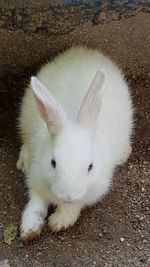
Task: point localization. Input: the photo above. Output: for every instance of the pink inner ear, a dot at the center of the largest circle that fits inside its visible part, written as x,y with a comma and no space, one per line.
91,104
50,109
41,108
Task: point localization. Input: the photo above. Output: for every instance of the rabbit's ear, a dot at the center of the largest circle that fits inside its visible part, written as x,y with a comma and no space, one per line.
51,111
91,104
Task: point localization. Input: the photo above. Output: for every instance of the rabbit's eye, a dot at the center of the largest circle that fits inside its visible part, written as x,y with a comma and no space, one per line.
90,167
53,163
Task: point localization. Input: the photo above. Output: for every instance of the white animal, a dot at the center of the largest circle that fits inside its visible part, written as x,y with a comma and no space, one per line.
76,123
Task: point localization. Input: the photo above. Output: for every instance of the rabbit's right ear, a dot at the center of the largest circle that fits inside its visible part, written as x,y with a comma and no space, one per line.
50,110
92,102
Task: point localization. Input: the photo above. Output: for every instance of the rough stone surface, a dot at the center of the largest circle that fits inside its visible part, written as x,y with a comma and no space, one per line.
34,31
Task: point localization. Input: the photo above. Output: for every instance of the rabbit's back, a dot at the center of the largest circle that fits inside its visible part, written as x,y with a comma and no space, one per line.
68,78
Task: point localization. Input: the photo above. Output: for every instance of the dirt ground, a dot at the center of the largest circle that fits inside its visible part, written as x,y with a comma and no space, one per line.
114,233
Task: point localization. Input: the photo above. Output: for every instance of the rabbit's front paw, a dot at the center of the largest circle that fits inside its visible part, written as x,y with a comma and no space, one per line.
33,218
32,226
58,221
31,234
63,218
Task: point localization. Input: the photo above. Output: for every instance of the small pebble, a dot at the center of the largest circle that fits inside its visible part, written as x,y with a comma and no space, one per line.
20,245
100,235
61,238
105,230
141,219
139,247
121,239
1,225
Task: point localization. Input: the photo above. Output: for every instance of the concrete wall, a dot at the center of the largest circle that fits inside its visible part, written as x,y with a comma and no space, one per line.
34,31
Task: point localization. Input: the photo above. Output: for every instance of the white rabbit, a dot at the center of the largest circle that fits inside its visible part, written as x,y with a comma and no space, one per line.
76,123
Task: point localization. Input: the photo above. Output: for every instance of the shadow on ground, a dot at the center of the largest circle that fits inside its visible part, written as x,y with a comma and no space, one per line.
114,233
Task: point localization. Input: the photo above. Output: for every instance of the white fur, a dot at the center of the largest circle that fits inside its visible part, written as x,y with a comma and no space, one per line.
65,120
33,216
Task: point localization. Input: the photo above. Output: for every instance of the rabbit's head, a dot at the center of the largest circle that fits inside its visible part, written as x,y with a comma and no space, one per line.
69,158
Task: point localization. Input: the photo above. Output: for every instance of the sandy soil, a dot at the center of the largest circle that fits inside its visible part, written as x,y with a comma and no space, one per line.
114,233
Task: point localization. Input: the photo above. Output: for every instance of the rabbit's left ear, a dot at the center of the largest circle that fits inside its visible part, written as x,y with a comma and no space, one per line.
49,108
91,104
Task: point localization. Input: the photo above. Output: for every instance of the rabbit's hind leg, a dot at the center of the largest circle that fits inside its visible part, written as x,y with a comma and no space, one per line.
125,155
24,159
